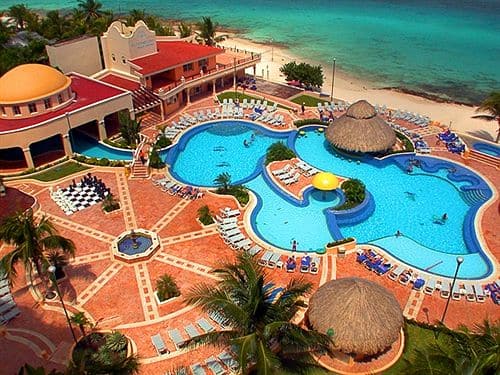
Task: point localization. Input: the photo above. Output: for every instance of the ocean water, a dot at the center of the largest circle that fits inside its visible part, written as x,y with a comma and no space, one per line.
449,48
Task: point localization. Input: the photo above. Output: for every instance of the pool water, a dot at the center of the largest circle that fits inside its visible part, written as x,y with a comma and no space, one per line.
90,147
487,148
411,203
142,243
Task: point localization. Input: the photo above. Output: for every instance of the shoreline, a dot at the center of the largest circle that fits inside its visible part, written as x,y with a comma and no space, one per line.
454,114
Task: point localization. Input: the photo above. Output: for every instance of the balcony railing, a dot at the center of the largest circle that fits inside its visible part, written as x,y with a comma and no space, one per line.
183,82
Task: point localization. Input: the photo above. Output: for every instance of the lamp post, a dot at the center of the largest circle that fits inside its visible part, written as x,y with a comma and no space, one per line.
234,77
52,272
272,50
333,79
460,260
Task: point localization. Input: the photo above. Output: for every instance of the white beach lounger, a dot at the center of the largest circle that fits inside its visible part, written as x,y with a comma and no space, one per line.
254,250
176,337
227,212
232,241
469,293
265,258
429,286
191,331
445,289
205,325
215,366
243,244
226,220
394,274
196,369
223,228
271,263
228,361
283,170
315,265
159,345
455,293
231,233
479,292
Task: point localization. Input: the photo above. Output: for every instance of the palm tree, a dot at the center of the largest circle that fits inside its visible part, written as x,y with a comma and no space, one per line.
20,13
32,240
5,33
462,352
491,105
55,25
81,321
260,331
91,9
167,288
135,15
59,261
129,129
208,31
223,181
185,30
30,370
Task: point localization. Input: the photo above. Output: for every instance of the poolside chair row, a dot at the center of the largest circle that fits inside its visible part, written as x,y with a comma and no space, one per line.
267,117
306,169
175,188
414,118
271,259
373,261
288,175
8,307
177,338
216,365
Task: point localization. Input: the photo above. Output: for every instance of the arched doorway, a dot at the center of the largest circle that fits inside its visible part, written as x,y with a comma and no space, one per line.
12,159
47,150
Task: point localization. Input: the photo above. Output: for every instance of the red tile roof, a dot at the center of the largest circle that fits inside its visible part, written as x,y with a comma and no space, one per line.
124,83
171,54
88,92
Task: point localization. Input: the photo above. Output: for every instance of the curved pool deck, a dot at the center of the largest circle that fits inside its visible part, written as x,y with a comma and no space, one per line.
276,219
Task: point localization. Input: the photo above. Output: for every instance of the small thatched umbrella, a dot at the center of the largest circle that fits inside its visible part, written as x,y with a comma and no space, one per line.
360,129
364,317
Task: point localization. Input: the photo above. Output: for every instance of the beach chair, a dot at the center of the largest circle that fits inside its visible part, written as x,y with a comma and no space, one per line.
217,318
293,179
227,212
9,315
228,360
251,104
191,331
230,233
159,345
225,228
215,366
244,104
419,283
4,290
479,293
315,265
232,241
254,250
430,286
176,338
405,277
243,244
196,369
225,220
265,258
394,274
281,171
455,293
205,325
469,293
271,263
445,289
305,264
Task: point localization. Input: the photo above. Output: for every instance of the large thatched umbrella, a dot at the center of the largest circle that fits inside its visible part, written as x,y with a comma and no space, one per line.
364,317
360,129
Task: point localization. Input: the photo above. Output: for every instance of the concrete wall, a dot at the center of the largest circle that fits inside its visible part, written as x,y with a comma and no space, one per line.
81,56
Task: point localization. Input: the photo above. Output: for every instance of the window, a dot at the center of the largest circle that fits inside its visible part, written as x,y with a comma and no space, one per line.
3,111
60,98
124,60
17,110
203,62
197,90
172,100
113,57
187,67
47,103
32,107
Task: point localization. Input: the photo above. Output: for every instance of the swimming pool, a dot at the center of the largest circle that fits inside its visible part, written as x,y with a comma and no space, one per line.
411,203
90,147
487,148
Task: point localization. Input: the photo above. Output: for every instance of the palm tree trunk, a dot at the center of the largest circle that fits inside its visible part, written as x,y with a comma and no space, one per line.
38,267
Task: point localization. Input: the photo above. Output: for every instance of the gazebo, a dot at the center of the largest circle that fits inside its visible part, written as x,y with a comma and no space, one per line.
364,318
360,129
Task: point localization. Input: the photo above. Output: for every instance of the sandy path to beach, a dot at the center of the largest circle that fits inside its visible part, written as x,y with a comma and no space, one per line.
350,89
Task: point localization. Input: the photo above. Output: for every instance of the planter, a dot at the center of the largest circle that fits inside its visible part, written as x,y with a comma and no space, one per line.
340,249
163,302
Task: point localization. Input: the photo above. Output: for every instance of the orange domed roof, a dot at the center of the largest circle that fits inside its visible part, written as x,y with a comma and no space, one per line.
29,82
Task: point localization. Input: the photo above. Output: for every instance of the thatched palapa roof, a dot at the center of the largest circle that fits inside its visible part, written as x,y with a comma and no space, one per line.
365,317
360,129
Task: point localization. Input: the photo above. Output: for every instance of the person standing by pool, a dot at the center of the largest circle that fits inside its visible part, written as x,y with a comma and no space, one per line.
294,245
303,107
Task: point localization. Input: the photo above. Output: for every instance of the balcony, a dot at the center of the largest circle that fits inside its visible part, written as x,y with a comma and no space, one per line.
226,63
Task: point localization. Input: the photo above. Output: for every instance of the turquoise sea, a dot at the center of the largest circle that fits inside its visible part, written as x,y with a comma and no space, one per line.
450,48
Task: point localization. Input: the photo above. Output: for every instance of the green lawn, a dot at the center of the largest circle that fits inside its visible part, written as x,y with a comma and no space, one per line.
310,101
241,96
59,171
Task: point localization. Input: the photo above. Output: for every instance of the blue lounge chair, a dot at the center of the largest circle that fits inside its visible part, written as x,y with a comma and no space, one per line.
176,337
159,345
274,294
191,331
305,263
205,325
196,369
419,283
228,360
215,366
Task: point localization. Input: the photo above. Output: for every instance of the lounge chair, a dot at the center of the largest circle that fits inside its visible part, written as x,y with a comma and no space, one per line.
196,369
469,293
455,293
445,289
4,290
205,325
265,258
283,170
215,366
394,274
273,295
292,180
243,244
479,293
176,337
9,315
224,228
191,331
217,318
226,220
305,264
430,286
405,277
230,233
159,345
419,283
315,265
254,250
227,212
271,263
232,241
228,360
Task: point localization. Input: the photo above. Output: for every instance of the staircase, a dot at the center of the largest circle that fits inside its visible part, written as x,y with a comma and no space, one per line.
140,169
485,158
473,196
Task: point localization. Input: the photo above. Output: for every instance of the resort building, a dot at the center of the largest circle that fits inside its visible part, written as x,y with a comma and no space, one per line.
40,107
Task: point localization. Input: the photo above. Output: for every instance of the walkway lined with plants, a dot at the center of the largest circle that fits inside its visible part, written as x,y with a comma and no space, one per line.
146,292
126,201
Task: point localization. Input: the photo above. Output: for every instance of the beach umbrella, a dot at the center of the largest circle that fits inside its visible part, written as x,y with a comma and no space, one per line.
365,317
360,129
325,181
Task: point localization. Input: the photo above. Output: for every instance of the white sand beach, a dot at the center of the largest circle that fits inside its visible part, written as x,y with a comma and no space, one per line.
351,89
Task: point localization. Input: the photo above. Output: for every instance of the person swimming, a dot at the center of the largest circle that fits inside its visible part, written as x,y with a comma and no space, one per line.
444,217
245,143
410,195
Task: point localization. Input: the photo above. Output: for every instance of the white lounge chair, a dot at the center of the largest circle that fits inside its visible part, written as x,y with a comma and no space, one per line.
429,286
265,258
283,170
191,331
228,361
159,345
445,289
315,265
215,366
196,369
176,337
469,293
479,293
271,263
205,325
394,274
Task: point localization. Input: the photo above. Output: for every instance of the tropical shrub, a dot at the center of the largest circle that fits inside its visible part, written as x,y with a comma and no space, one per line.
110,203
103,162
340,242
162,141
278,151
223,182
309,121
354,191
155,159
305,73
59,260
166,288
204,215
